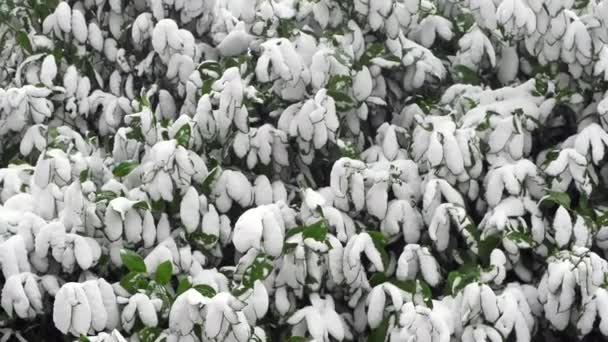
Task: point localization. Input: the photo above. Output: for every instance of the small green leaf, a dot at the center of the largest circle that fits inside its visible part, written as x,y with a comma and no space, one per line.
183,135
105,195
259,270
380,244
487,245
149,334
464,74
134,281
464,21
183,286
373,50
339,96
379,333
205,290
158,206
317,231
203,239
143,205
460,278
560,198
521,237
132,261
297,339
24,41
125,168
427,294
207,86
540,85
84,175
211,65
83,338
339,82
163,272
377,279
207,185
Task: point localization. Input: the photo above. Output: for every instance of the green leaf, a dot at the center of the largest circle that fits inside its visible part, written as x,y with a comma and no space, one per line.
183,135
340,96
464,21
377,279
464,74
158,206
560,198
125,168
317,231
183,286
540,85
487,245
297,339
132,261
427,294
24,41
406,285
203,239
207,86
84,175
207,185
521,237
212,66
149,334
143,205
379,334
163,272
134,281
339,82
373,50
83,338
380,244
105,195
205,290
425,103
473,231
460,278
580,4
259,270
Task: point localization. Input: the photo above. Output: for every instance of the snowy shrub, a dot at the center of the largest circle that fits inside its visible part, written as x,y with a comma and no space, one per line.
303,170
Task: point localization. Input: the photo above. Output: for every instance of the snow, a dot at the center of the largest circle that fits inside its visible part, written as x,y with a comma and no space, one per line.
425,156
48,71
189,210
562,226
63,16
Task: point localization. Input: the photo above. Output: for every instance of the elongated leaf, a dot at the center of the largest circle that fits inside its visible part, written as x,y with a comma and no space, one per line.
24,41
210,179
125,168
183,135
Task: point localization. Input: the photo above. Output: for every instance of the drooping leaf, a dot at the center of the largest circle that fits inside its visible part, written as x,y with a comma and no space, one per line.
125,168
24,41
207,185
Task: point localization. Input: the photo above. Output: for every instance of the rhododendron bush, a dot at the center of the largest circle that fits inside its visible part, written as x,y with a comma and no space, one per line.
303,170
